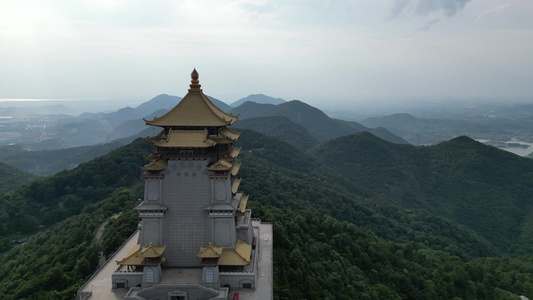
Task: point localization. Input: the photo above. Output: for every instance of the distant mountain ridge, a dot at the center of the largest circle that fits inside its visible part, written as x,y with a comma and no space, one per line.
319,125
258,98
424,130
222,105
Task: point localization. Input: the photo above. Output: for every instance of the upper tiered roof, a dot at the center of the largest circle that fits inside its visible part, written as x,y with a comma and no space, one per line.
195,109
183,138
137,255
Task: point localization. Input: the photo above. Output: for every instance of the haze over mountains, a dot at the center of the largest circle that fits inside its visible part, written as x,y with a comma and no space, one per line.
444,213
96,128
258,98
495,125
337,190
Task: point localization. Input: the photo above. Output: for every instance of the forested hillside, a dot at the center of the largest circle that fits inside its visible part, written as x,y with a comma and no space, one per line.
336,235
484,188
48,162
11,178
281,128
50,200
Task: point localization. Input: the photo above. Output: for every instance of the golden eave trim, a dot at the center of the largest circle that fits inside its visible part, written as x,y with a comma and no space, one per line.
235,186
242,204
235,169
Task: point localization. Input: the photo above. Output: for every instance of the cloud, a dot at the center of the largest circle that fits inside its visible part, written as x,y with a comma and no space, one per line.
253,10
429,23
426,7
494,10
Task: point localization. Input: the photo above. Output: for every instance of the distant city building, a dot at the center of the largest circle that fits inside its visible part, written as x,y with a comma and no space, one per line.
197,239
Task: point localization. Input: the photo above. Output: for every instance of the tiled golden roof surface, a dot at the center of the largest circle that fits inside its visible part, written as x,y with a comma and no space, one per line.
195,109
240,256
221,165
210,251
222,140
152,156
183,138
235,186
228,133
130,254
157,165
136,254
152,251
235,169
242,204
234,152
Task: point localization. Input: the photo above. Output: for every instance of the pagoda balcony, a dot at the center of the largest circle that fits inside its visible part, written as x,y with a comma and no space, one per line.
219,175
186,156
148,175
220,152
149,261
152,213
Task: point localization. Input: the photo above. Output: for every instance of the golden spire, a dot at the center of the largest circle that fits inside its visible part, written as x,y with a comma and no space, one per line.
195,83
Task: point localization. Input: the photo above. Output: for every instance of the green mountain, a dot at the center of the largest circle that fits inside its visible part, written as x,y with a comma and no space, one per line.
316,122
281,128
218,103
11,178
336,236
162,101
52,199
484,188
258,98
48,162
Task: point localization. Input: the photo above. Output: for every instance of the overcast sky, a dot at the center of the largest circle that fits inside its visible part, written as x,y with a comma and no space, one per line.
317,51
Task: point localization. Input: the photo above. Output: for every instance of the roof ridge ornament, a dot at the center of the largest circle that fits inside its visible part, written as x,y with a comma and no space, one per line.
195,83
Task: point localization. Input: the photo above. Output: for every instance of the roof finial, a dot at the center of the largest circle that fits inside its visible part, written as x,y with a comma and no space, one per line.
195,83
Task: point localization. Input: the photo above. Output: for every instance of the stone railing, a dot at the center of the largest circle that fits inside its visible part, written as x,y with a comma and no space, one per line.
83,295
80,291
127,271
236,272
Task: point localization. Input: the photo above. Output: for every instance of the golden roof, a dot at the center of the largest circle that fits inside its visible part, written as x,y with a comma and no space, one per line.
240,256
157,165
235,169
242,204
195,109
210,251
229,134
235,186
152,157
152,251
136,255
130,256
183,138
222,140
221,165
234,152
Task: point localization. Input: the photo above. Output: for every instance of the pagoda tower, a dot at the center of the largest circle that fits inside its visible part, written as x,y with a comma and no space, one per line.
192,200
196,239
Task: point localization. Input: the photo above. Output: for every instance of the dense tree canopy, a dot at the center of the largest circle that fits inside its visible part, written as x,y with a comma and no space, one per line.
362,228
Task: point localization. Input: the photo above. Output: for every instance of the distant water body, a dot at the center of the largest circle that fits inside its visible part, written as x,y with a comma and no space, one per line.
525,149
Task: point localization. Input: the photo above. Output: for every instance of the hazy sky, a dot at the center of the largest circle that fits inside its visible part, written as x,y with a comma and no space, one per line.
317,51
